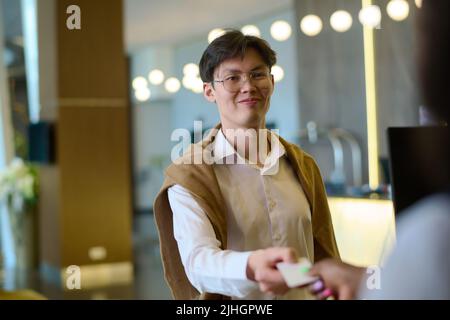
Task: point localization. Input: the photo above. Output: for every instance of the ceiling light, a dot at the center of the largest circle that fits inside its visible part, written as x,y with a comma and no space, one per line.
251,30
398,10
139,82
278,73
142,94
341,21
280,30
215,33
370,16
191,69
172,85
311,25
418,3
156,77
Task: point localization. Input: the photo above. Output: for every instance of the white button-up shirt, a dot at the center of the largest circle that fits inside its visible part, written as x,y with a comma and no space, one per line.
265,207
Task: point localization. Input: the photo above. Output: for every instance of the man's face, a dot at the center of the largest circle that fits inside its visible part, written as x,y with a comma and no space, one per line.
247,106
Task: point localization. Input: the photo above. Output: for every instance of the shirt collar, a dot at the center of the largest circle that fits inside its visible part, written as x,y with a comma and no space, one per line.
224,150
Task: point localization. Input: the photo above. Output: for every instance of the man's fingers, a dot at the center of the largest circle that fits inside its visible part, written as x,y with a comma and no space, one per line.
269,275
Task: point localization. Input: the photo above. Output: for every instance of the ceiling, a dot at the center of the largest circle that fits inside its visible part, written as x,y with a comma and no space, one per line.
173,21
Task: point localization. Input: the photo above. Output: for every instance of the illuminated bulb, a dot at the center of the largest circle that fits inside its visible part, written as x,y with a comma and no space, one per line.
418,3
197,85
215,33
191,69
251,30
278,73
172,85
156,77
142,94
281,30
311,25
398,10
341,21
370,16
139,82
188,82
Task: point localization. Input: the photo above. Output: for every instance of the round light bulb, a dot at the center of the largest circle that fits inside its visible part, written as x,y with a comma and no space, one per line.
398,10
172,85
156,77
341,21
281,30
277,72
251,30
370,16
191,69
142,94
215,33
139,82
188,82
197,85
311,25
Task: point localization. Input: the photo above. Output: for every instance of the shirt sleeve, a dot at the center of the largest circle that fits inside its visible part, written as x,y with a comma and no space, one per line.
207,266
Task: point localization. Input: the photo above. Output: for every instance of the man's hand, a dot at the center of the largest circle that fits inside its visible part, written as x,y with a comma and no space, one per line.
342,279
261,267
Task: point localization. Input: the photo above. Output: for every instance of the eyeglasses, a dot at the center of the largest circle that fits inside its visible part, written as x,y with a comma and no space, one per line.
234,82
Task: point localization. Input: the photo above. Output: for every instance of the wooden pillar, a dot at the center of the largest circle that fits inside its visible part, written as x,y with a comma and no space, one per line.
89,223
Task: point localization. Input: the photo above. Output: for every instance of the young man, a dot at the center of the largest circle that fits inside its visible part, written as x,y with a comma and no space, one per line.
220,221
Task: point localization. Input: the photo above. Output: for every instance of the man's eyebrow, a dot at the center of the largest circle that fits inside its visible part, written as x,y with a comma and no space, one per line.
261,66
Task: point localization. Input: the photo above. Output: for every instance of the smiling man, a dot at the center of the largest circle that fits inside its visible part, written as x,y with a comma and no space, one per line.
260,202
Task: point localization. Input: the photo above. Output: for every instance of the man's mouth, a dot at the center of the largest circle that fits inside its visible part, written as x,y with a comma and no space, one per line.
249,101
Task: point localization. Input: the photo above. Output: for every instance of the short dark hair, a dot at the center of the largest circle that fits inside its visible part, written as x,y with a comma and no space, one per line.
230,45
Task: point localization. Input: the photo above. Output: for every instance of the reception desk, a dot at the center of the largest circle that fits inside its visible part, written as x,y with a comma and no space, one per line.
364,229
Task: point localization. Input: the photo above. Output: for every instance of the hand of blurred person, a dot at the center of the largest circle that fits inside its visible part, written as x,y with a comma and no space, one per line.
261,267
338,279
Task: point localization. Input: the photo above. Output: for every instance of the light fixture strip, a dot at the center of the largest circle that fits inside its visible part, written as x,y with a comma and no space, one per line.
371,102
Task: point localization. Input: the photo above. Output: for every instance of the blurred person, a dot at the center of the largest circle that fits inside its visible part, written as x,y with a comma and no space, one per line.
419,265
219,222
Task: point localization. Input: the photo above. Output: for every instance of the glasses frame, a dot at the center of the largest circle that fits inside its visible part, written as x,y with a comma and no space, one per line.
248,77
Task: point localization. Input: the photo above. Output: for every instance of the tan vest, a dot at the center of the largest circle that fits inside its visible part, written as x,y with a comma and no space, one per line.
201,181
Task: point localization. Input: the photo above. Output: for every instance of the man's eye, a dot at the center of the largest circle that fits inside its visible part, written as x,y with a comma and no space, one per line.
232,78
258,75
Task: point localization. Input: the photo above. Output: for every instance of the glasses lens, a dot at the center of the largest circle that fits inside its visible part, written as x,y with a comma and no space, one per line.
235,83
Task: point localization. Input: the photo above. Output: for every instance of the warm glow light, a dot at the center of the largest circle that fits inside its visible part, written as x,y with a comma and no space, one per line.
172,85
371,100
139,82
156,77
188,82
278,73
364,229
215,33
370,16
197,85
281,30
311,25
142,94
251,30
341,21
418,3
191,70
398,10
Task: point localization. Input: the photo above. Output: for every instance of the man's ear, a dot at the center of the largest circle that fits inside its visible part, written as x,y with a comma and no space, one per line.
208,92
273,81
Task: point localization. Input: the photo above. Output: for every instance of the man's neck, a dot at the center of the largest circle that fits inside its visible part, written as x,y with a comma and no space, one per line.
251,142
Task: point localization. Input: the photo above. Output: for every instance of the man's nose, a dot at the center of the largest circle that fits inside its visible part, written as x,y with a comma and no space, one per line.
247,85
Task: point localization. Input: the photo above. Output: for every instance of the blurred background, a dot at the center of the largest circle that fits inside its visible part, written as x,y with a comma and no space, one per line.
92,90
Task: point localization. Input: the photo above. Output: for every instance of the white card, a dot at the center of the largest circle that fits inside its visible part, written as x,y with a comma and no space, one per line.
296,274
